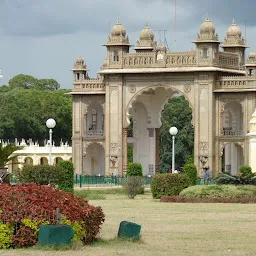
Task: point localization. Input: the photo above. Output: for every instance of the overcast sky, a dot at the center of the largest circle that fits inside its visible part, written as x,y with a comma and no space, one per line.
44,37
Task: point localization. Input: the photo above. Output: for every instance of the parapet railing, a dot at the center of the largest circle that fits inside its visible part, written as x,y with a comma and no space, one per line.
89,85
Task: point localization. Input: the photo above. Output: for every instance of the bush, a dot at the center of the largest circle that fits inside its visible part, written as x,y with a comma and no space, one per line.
134,169
245,170
6,231
39,174
66,176
28,206
168,184
219,191
191,172
245,178
133,185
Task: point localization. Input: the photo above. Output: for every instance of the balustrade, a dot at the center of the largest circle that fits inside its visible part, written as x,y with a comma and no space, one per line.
94,133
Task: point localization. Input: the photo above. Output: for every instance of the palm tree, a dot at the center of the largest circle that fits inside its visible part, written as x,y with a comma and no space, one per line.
6,153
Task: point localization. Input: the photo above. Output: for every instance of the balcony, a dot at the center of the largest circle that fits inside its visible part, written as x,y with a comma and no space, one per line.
94,133
231,132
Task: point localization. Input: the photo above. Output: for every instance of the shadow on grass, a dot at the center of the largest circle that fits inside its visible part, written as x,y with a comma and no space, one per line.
116,241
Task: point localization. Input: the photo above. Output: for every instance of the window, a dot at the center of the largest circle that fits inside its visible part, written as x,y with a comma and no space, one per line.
94,119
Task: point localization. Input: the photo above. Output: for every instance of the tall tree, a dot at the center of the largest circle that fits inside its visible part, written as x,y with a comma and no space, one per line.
176,113
23,114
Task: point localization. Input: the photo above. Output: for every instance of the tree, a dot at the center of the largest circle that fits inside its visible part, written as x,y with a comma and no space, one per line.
30,82
23,114
6,152
176,113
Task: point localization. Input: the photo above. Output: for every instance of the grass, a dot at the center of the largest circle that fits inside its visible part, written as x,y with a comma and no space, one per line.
168,229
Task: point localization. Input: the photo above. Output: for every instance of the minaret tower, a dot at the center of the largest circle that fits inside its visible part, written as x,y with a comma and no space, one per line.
235,43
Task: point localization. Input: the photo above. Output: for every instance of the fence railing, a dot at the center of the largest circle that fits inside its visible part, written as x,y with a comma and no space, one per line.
104,181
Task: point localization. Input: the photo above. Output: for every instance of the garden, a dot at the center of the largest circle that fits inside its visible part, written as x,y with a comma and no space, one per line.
193,222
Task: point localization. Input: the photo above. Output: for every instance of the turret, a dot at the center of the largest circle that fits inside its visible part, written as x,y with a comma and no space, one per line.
251,65
234,43
117,44
207,45
79,70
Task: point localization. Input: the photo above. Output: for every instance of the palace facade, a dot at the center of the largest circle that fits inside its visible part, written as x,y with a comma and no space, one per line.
216,79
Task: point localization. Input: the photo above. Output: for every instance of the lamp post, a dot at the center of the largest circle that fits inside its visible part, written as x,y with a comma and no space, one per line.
173,131
50,123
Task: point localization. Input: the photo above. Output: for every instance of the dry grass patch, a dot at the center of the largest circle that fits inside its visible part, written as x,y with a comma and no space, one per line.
169,229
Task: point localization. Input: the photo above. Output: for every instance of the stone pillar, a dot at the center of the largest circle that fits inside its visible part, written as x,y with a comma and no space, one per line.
151,152
125,131
157,159
252,142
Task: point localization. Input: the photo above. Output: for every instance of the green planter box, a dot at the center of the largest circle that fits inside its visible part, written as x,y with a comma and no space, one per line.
129,230
55,235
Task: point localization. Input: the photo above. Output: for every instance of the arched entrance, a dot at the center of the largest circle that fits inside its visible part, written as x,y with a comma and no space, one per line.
232,158
94,159
145,111
28,161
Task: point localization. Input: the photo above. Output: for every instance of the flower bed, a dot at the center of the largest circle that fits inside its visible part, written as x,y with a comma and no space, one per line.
25,207
182,199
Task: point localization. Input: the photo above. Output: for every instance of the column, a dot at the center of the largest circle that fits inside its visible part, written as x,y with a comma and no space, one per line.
125,131
157,159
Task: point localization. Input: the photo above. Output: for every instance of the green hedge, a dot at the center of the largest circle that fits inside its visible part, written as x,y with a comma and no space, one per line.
134,169
191,172
168,184
66,176
61,175
220,191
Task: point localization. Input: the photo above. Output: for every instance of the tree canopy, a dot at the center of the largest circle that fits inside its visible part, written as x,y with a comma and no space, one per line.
176,113
27,103
30,82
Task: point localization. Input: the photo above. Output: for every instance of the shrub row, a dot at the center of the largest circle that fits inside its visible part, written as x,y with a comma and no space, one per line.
182,199
25,207
220,191
168,184
61,175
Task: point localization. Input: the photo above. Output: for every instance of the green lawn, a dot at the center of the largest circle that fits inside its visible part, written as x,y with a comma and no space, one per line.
169,229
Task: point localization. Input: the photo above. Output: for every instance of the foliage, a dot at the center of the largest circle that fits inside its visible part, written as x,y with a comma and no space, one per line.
133,185
23,114
30,82
182,199
168,184
134,169
39,204
245,170
6,231
191,172
6,152
176,113
66,176
220,191
39,174
129,154
245,177
77,227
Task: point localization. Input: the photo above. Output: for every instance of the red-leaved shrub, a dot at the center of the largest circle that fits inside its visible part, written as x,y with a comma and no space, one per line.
39,203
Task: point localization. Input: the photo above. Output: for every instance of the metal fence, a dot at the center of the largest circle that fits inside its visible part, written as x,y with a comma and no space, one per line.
103,181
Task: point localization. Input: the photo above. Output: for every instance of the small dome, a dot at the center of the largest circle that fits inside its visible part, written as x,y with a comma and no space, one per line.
207,27
161,48
118,30
234,30
252,55
147,34
80,60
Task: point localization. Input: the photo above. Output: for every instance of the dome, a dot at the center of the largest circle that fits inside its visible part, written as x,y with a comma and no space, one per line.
234,30
147,34
207,27
118,30
80,60
252,55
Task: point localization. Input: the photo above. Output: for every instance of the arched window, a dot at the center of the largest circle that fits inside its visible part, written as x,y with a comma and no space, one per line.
94,119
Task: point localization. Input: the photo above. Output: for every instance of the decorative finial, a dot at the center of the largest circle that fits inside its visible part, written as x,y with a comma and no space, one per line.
207,16
234,21
118,20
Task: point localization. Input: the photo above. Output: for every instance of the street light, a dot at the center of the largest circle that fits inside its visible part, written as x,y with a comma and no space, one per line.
50,123
173,131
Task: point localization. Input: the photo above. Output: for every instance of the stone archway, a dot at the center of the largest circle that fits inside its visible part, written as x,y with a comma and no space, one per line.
145,109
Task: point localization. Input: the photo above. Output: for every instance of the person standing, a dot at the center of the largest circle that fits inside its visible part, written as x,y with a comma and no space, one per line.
206,175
